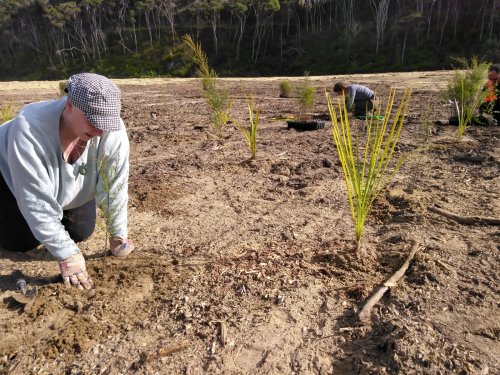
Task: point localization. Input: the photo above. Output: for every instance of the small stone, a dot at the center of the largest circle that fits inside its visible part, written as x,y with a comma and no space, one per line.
327,163
78,307
91,293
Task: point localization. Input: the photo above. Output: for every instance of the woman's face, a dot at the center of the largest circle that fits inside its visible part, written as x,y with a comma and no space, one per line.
80,126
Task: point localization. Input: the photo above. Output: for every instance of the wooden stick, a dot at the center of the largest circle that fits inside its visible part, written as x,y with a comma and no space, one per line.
467,220
365,312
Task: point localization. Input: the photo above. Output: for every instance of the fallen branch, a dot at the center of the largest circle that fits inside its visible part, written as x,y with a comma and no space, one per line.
467,220
365,312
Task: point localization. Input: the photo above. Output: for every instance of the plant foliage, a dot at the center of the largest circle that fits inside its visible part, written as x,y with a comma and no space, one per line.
307,95
285,89
217,98
250,133
7,112
465,90
109,205
367,163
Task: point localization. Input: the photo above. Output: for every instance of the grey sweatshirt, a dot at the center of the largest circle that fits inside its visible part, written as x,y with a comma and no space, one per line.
44,184
357,93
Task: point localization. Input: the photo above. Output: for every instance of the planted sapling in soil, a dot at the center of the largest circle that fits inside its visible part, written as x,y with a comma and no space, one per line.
217,98
306,97
250,132
465,92
285,89
367,158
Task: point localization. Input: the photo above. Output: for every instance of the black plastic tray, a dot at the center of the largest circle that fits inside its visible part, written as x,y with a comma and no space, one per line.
306,125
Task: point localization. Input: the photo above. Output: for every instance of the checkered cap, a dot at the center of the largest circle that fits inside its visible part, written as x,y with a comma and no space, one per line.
98,98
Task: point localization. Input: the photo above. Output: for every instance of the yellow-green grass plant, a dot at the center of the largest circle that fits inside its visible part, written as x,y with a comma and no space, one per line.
465,90
7,112
250,133
217,98
367,163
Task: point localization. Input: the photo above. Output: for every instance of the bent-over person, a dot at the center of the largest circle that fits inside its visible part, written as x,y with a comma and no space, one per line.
50,179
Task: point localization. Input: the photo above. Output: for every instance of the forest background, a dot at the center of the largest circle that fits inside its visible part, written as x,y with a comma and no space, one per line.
52,39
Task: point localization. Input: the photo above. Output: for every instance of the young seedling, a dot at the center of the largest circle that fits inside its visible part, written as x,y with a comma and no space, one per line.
465,91
250,133
109,204
7,112
307,94
62,88
285,89
217,99
367,168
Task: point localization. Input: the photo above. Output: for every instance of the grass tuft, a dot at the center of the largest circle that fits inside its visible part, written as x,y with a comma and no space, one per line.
250,133
7,112
366,160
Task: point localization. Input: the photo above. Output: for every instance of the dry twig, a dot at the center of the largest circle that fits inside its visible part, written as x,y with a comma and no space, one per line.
365,312
467,220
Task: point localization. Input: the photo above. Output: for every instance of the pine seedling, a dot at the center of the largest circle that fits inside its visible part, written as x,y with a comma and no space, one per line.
217,99
62,86
367,168
7,112
250,133
285,89
465,91
307,94
109,205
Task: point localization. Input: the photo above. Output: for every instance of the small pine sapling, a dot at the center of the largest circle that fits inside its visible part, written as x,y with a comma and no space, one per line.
465,90
109,204
217,99
306,98
285,89
62,86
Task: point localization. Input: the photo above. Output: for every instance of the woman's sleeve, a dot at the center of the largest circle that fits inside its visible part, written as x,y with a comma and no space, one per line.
350,98
33,189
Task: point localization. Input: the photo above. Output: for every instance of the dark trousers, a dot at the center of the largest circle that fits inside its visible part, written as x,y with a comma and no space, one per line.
16,235
362,107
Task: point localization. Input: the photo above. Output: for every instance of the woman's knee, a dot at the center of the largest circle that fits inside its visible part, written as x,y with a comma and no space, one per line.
80,222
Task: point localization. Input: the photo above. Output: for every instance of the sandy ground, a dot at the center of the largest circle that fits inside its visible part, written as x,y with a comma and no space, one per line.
250,267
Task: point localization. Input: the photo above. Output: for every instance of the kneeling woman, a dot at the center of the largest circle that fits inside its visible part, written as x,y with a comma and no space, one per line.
49,174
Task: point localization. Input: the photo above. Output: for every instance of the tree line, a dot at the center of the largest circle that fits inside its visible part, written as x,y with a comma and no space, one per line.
54,38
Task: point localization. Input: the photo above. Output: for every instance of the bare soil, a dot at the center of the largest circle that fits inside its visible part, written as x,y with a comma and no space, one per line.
250,267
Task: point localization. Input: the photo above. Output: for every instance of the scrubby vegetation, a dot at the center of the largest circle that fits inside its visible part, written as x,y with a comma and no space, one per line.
465,90
242,37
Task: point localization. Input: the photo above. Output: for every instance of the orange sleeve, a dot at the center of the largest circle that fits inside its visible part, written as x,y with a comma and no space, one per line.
490,90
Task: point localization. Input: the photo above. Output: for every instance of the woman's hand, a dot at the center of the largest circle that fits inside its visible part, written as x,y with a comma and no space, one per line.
121,248
74,272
